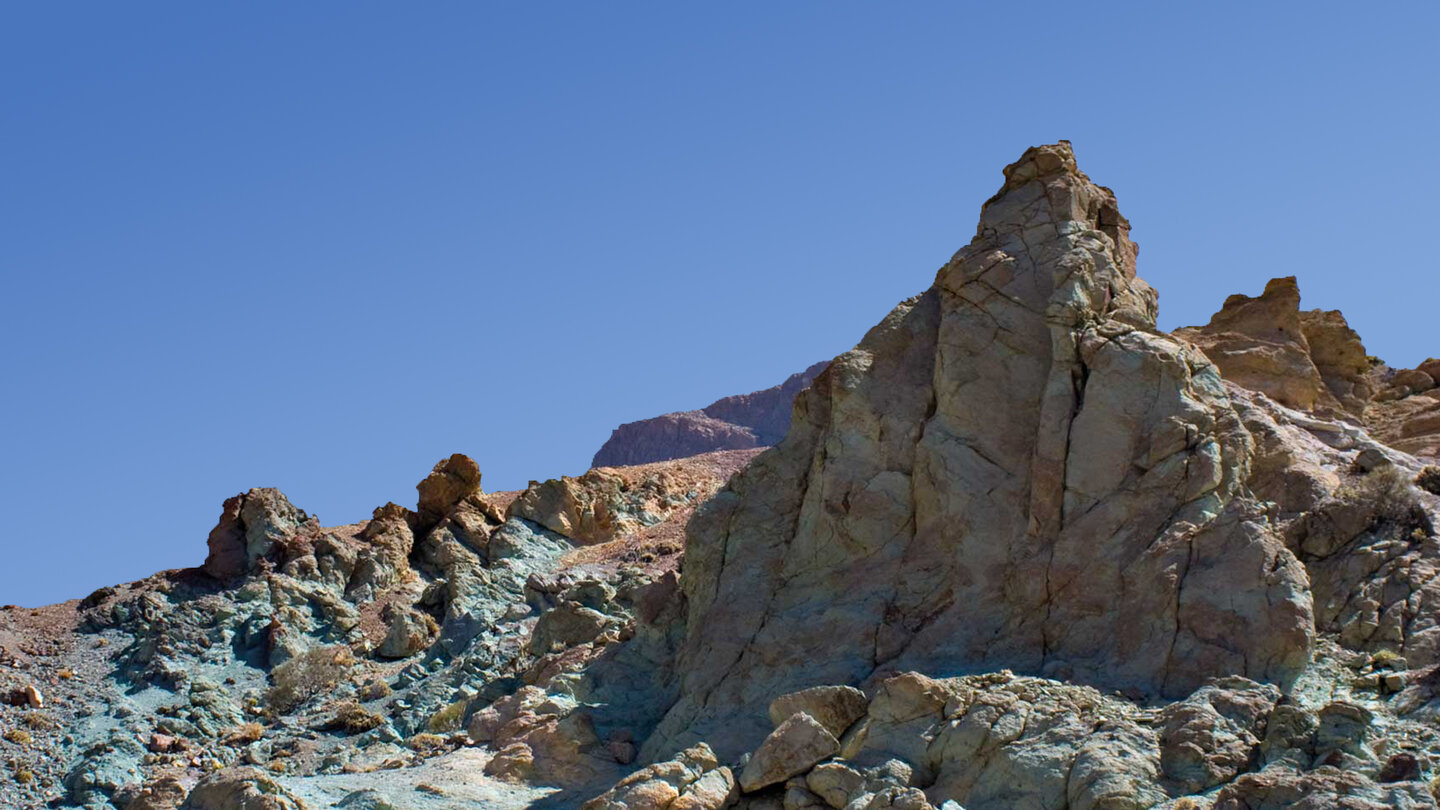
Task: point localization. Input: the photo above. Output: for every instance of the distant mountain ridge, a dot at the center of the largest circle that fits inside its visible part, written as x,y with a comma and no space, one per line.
740,422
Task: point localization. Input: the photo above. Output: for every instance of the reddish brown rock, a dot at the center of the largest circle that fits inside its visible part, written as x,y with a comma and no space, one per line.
757,419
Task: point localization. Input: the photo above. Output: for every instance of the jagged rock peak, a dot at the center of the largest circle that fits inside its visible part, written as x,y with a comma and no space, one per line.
1014,469
1312,361
451,481
1071,194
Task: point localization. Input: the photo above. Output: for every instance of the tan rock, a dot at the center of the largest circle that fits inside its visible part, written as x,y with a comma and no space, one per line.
1340,357
165,793
1261,344
410,632
792,749
1210,738
835,782
241,789
451,481
693,780
834,707
541,739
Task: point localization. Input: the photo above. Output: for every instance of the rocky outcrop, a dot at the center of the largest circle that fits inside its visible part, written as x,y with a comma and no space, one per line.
607,504
250,525
1219,587
693,780
1261,344
1313,361
1340,357
757,419
1014,469
999,741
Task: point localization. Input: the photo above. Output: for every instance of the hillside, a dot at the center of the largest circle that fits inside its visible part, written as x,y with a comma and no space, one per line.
1019,548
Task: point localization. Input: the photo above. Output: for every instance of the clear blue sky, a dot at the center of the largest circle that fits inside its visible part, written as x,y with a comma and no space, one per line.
319,246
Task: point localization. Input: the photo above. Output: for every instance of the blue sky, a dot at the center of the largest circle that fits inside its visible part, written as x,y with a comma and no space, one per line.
321,245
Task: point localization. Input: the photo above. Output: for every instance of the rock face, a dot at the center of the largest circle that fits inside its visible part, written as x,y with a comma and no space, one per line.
1313,361
1261,344
1000,741
757,419
1014,469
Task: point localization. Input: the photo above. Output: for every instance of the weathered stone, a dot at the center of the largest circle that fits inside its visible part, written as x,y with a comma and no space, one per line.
1340,357
566,625
165,793
1260,343
1013,469
1287,789
1213,735
241,789
834,707
834,782
693,780
792,749
410,632
451,481
250,525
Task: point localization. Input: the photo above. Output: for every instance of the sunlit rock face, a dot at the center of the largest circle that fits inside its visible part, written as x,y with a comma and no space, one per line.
1014,469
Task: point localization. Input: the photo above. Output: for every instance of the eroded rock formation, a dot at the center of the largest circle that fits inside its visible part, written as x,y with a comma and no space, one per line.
1014,469
1017,549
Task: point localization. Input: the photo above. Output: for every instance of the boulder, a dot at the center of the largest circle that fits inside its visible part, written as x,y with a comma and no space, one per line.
693,780
410,632
566,625
1289,789
451,481
165,793
834,707
241,789
1213,736
792,749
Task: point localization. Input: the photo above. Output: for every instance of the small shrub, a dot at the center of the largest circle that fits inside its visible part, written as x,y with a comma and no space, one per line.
1389,659
374,689
39,722
19,736
24,776
1429,480
66,674
352,718
427,743
1391,498
449,718
244,735
307,676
